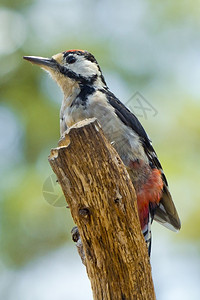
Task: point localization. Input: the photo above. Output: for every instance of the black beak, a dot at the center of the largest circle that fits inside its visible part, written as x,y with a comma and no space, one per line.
42,61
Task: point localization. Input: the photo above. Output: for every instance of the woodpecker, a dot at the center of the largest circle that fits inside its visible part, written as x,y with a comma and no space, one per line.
86,95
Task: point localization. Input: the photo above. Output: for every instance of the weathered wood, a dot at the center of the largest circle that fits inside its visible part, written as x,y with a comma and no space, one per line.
103,205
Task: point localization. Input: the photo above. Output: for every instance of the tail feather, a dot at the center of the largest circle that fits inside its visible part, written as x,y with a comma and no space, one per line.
166,213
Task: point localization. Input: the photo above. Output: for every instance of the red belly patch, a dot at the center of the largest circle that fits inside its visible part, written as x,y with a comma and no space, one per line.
150,192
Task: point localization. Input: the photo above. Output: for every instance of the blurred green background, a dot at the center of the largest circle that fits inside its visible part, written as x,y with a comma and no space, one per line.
148,47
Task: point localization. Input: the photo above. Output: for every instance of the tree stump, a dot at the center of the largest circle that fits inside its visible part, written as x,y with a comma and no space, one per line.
102,200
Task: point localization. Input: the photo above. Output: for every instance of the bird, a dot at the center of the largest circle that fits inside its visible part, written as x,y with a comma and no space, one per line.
86,95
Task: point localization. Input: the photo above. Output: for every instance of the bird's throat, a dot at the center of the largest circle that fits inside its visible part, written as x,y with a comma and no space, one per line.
69,87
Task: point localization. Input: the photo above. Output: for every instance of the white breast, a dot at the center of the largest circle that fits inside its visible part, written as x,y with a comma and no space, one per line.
122,137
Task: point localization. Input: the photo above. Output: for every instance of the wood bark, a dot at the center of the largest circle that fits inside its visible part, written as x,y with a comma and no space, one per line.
103,205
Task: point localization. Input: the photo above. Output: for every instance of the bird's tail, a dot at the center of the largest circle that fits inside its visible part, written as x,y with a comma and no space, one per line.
166,213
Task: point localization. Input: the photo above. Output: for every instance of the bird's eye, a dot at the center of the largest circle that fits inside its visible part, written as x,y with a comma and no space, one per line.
70,59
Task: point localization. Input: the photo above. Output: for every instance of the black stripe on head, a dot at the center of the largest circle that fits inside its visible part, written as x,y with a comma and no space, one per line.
90,57
81,79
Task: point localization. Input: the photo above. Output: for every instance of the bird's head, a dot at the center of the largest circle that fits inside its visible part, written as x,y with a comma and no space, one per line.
71,68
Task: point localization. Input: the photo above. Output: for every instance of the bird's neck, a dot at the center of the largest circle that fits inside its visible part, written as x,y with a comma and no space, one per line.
69,87
71,91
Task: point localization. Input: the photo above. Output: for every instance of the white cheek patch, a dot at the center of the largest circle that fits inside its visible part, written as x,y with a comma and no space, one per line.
84,67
